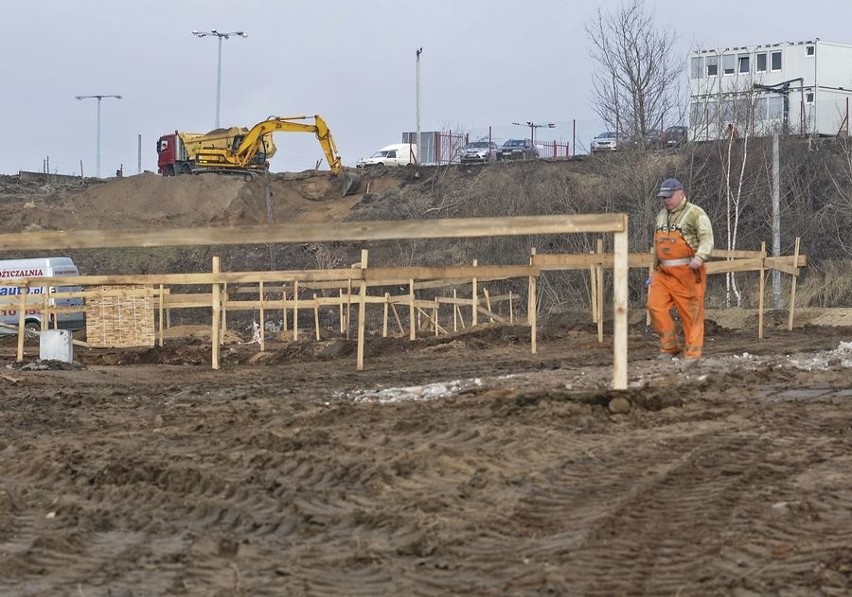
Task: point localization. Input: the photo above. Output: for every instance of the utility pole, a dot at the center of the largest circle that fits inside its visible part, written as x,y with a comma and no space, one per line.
417,94
98,151
220,37
776,219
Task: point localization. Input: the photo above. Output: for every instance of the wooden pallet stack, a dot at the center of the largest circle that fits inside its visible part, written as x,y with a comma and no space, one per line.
120,317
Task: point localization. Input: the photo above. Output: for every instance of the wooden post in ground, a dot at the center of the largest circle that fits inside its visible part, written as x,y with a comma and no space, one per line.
341,313
620,269
262,318
283,309
216,319
348,306
160,322
455,311
511,308
435,315
531,305
648,287
295,310
316,318
412,332
398,320
362,310
793,284
487,303
45,312
762,285
593,292
22,322
474,305
599,293
385,316
224,310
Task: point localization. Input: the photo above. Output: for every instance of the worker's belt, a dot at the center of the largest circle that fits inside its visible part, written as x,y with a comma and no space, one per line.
683,261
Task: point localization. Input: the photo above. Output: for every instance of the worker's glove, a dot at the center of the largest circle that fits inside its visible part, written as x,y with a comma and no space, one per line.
695,263
648,282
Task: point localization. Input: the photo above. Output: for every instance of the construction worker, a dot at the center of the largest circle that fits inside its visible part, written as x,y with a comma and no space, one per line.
683,241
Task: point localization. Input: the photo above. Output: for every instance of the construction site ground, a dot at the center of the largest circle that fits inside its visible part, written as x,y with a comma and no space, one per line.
462,464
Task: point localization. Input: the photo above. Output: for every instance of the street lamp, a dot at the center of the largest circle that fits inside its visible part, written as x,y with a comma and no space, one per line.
417,93
98,153
220,36
534,126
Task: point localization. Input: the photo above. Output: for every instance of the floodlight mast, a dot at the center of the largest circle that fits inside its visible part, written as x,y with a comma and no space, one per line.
220,36
534,126
98,97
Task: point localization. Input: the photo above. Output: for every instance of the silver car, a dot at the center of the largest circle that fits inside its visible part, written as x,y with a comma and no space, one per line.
479,152
606,141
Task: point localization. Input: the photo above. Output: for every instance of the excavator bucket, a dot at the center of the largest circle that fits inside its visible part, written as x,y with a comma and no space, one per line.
351,182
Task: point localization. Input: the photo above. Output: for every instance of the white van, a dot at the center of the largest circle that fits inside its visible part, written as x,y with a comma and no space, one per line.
40,267
398,154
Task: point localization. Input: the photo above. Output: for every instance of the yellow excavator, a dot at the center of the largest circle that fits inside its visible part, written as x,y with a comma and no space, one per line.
248,152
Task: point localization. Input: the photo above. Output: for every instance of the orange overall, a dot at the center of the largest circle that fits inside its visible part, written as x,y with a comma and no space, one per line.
674,284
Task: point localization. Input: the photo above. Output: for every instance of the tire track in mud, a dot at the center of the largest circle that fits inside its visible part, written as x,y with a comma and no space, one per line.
257,493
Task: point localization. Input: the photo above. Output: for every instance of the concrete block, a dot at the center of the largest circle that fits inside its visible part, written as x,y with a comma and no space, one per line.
56,345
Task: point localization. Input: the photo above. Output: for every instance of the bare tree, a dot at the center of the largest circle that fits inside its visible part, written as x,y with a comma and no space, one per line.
636,86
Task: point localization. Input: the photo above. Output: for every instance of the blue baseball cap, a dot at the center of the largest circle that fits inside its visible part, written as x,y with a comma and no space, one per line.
669,186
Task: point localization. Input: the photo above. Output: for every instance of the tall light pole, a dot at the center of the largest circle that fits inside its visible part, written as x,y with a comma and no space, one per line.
220,36
98,152
417,93
533,126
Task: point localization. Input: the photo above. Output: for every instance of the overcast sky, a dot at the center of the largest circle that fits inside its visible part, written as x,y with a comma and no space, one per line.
484,64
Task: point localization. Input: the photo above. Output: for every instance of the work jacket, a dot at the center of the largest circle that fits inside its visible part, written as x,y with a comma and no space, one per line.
692,223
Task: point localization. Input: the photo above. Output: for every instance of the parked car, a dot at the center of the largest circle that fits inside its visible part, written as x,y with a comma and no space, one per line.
479,152
517,149
397,154
606,141
653,139
675,135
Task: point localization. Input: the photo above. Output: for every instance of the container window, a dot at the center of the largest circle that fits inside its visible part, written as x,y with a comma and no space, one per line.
776,60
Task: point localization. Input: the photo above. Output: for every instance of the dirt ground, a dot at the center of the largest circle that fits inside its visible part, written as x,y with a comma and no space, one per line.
459,465
453,465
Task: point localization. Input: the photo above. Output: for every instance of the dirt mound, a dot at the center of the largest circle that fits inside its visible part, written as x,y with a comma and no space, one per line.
148,201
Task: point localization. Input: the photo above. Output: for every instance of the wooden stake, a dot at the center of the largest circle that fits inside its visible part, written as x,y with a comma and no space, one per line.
487,303
316,318
593,292
793,284
341,312
283,310
455,311
474,316
224,310
648,288
161,300
262,318
385,316
412,333
362,312
398,320
348,306
531,306
216,318
295,310
511,310
762,286
600,291
22,322
620,269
